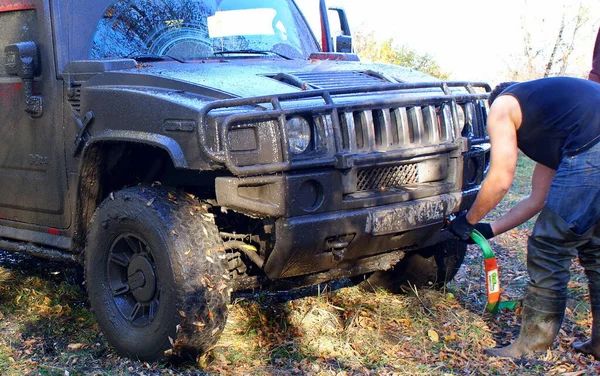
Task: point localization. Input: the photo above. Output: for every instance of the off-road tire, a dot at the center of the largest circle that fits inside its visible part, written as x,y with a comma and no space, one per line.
430,267
142,235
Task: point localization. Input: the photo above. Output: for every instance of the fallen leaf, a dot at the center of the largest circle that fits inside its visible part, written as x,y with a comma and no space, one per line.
75,346
451,337
405,322
433,335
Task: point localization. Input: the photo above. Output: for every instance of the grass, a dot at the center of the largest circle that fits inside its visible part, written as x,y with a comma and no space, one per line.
46,327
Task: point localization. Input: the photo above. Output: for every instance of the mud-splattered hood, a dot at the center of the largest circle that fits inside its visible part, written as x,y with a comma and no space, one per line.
257,77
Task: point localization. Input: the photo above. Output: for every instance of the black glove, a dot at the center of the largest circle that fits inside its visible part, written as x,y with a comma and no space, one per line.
461,228
484,229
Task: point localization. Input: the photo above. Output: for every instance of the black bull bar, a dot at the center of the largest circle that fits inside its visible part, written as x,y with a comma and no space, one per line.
329,106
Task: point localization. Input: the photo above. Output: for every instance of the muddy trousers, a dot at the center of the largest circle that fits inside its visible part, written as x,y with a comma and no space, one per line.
567,227
550,252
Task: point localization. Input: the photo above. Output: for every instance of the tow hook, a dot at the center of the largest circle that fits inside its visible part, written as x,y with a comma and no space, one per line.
447,221
338,246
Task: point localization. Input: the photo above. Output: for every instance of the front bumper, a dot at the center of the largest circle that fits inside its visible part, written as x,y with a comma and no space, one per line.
318,227
314,243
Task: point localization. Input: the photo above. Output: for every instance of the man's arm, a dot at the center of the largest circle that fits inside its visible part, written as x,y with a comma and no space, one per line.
530,205
502,124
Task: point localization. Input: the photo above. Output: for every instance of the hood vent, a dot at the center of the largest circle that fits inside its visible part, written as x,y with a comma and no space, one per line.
331,80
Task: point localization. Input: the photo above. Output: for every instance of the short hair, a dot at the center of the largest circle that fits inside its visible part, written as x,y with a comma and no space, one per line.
498,90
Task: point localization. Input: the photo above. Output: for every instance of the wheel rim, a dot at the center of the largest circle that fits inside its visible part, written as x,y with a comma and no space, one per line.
133,280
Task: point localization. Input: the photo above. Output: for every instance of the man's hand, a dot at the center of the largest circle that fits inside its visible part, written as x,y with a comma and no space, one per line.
484,229
461,228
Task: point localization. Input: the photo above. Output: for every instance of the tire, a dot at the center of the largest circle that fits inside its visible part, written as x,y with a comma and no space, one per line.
430,267
156,274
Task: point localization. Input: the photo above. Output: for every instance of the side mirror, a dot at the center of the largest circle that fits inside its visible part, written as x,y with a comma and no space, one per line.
21,60
343,43
343,40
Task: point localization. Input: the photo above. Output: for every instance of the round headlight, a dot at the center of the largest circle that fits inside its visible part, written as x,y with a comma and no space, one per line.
299,134
460,115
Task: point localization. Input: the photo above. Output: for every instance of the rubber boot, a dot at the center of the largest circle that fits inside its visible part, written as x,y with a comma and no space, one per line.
589,256
542,317
592,345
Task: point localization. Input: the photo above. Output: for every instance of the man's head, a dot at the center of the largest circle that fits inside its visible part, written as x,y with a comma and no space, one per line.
498,90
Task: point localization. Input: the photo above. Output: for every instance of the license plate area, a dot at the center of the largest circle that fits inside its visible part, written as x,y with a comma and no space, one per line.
412,215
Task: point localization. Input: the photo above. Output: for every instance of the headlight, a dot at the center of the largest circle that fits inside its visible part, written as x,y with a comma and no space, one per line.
460,115
299,134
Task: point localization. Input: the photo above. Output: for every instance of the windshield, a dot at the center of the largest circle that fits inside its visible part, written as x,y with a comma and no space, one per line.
198,29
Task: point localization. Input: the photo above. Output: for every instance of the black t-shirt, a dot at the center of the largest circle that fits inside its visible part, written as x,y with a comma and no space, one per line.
560,116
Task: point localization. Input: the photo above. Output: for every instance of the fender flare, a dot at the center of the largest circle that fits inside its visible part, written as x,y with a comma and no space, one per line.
166,143
83,209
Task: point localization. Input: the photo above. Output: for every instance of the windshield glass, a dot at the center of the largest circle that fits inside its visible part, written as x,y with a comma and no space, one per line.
197,29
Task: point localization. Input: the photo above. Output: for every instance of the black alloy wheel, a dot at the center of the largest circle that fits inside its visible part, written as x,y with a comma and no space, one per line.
132,279
156,274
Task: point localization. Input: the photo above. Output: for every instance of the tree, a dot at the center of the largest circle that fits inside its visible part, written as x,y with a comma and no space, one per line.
385,51
548,50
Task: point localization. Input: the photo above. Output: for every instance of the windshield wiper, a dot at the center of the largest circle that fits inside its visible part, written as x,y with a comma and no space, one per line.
151,57
249,51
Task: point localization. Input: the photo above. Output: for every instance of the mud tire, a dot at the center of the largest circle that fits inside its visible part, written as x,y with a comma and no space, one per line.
430,267
165,236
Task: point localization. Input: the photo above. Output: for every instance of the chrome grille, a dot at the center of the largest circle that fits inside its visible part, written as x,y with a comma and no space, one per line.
394,128
475,127
480,130
370,179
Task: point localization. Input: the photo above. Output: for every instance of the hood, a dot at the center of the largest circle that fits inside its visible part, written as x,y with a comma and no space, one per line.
240,78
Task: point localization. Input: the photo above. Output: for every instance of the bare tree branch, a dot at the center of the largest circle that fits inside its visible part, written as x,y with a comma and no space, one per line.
557,42
581,19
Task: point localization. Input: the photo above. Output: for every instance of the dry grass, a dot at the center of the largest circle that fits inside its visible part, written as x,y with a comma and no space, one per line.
46,327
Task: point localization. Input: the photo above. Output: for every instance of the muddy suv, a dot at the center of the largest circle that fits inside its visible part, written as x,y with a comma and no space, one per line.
182,153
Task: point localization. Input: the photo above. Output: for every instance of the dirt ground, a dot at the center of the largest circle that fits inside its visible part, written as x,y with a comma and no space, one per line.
46,327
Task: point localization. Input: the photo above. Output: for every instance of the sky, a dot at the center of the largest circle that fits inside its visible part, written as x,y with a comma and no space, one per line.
472,39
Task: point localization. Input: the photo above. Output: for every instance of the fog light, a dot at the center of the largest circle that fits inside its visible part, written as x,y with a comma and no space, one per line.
310,195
